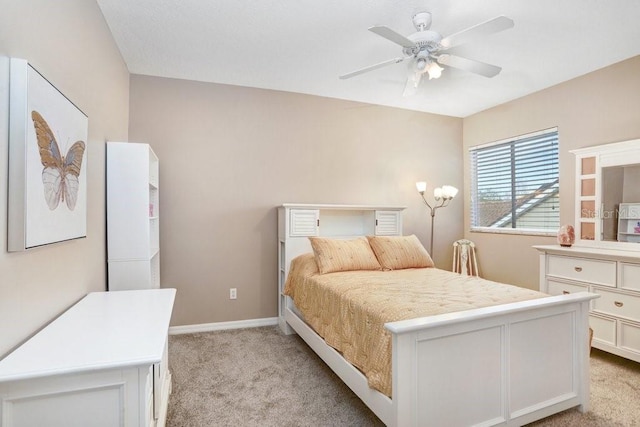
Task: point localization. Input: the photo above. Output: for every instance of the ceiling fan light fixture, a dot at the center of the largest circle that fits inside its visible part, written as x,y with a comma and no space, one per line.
425,49
434,70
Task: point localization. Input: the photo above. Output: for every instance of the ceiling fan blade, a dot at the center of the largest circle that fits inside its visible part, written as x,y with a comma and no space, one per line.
413,81
371,67
491,26
466,64
391,35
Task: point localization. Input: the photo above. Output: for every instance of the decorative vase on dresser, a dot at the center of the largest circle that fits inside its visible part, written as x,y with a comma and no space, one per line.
606,256
133,243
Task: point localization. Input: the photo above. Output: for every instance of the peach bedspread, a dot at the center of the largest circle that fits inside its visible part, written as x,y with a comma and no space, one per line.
349,309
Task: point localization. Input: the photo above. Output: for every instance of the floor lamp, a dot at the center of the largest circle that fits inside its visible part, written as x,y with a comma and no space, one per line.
442,196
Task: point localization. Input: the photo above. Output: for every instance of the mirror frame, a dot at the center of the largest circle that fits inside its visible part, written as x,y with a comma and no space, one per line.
625,153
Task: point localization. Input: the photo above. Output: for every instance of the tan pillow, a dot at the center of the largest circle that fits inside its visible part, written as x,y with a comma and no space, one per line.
398,252
343,255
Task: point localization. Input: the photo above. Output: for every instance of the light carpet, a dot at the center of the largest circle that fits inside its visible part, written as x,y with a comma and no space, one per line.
259,377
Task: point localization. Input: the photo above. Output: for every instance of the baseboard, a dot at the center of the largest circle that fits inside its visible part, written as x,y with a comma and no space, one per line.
221,326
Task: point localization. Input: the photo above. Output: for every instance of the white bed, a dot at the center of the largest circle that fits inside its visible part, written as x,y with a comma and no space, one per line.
503,365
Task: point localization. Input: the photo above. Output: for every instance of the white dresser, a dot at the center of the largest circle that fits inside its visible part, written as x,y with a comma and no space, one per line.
102,363
612,274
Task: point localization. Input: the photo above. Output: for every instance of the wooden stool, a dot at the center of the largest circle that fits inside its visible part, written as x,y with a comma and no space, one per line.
464,258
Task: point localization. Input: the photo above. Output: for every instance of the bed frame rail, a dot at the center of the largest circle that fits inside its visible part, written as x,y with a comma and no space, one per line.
505,365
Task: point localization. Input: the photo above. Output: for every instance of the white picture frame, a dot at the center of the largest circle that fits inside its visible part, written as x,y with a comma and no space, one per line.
47,162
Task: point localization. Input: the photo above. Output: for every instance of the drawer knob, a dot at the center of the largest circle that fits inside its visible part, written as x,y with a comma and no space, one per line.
578,269
565,292
618,303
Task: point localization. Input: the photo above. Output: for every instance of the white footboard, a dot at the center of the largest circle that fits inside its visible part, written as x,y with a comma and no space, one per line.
506,365
503,365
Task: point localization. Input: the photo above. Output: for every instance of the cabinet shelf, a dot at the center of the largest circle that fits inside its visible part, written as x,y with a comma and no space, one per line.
629,222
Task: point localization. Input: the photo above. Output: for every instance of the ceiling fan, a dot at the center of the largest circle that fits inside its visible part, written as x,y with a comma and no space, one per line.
424,49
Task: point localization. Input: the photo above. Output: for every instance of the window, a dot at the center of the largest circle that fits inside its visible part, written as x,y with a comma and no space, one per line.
515,186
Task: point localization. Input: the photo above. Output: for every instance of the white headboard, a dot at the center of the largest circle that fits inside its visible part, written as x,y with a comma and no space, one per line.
297,222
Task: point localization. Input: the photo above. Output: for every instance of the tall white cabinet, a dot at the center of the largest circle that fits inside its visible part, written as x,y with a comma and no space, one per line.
133,215
297,222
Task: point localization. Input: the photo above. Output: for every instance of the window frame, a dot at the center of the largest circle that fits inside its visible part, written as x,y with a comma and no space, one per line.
473,191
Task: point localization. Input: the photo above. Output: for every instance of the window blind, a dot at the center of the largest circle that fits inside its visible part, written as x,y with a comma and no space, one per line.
515,183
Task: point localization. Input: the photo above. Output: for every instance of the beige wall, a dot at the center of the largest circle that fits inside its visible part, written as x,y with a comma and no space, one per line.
597,108
229,155
70,44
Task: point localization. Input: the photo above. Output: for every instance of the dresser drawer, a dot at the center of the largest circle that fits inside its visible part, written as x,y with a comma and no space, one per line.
604,329
630,276
585,270
555,287
630,337
617,304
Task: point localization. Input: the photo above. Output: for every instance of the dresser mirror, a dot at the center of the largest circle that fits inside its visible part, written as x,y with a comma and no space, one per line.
608,195
620,186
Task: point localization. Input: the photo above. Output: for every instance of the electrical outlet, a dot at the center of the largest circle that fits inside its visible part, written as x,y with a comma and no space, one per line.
233,293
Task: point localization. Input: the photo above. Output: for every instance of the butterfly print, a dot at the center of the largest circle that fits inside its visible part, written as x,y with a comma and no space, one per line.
60,173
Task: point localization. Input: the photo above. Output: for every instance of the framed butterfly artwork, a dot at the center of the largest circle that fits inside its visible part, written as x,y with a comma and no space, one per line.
47,162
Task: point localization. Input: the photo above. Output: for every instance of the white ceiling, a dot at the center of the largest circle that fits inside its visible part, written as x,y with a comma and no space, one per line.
303,46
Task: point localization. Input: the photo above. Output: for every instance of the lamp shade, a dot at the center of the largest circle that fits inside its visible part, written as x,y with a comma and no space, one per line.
434,70
449,192
438,193
421,186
